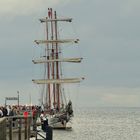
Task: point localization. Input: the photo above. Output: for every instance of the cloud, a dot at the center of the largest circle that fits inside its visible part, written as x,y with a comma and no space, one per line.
130,8
26,7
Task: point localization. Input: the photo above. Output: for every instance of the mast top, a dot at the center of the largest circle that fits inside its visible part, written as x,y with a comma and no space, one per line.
50,17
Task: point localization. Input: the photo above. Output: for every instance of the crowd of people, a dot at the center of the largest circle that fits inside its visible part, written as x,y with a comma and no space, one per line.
14,110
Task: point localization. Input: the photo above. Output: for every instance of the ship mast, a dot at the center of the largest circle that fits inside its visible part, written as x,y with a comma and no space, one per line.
48,68
57,65
50,14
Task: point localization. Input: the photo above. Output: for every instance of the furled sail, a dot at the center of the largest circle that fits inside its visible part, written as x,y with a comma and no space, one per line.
57,41
58,19
58,81
73,60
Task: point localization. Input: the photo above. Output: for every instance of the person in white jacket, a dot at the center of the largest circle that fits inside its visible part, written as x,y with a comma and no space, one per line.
1,113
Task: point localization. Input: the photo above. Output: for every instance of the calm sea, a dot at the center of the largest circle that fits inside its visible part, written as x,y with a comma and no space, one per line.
103,124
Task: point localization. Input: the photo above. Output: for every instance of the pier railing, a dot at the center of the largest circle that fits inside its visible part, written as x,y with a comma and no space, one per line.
15,128
22,128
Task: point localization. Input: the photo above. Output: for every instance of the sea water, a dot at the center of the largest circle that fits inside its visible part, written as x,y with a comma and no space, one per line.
102,124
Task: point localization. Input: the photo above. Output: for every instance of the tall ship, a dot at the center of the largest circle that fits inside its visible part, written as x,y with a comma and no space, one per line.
56,107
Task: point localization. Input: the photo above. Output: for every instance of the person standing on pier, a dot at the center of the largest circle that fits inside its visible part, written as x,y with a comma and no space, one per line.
34,114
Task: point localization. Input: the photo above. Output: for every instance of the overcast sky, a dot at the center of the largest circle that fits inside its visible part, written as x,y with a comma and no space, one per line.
109,36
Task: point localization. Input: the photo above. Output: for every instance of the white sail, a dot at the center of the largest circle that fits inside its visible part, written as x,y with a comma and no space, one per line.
57,41
58,81
58,19
73,60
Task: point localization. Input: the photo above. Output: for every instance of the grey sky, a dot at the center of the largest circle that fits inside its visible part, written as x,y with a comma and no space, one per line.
109,36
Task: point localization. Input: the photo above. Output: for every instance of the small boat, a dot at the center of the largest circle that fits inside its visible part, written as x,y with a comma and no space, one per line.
59,111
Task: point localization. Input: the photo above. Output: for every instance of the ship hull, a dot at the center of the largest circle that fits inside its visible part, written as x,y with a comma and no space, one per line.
59,121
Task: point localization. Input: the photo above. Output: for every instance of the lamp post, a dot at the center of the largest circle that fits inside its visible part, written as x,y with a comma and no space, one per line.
18,97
